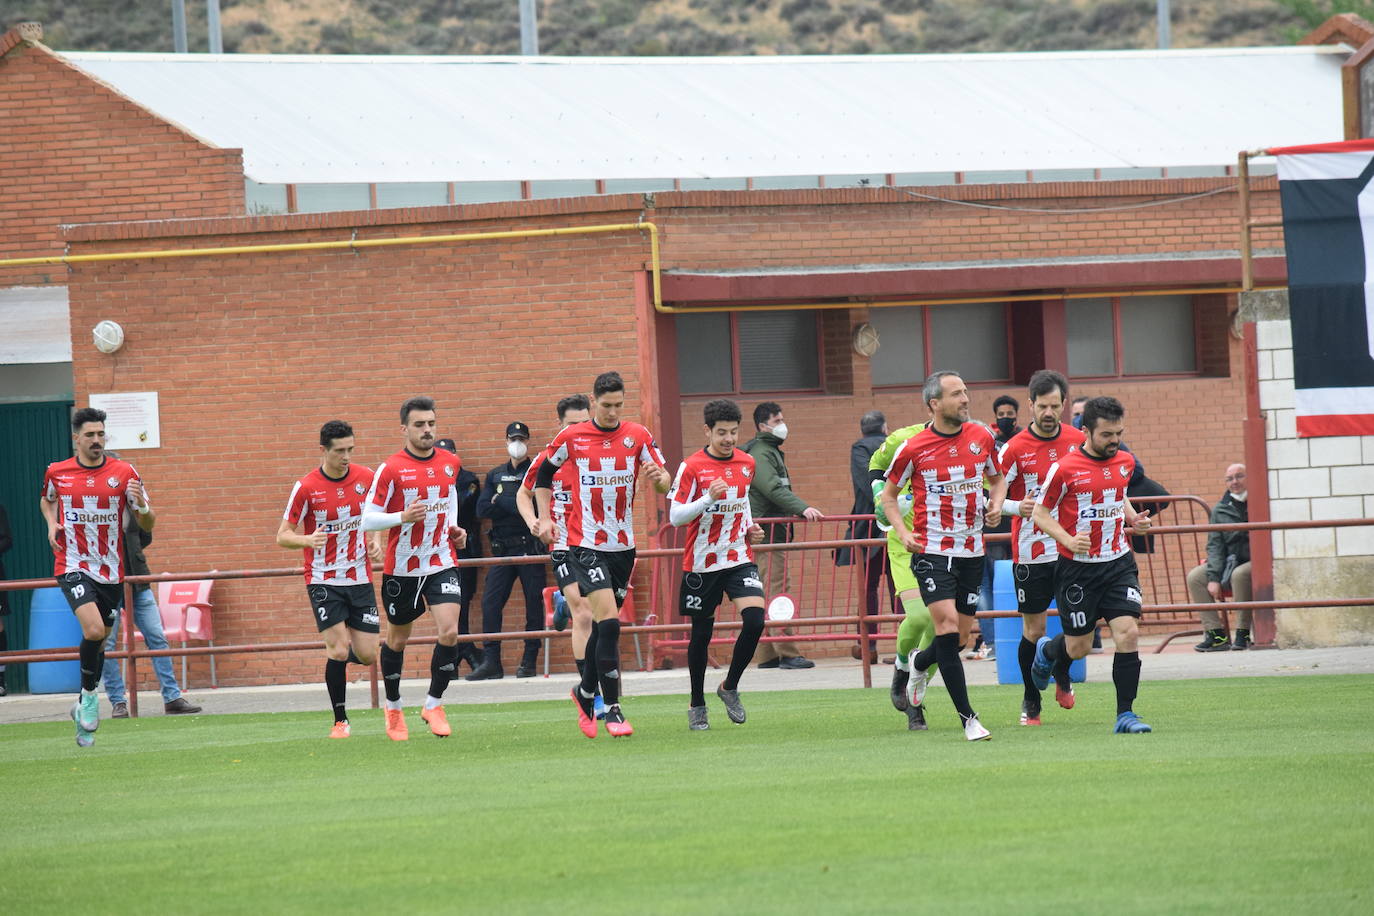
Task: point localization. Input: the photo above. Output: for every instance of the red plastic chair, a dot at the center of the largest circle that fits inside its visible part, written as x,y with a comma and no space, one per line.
185,608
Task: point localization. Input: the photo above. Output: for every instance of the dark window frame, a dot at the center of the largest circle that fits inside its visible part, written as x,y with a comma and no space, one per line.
1119,347
735,372
927,354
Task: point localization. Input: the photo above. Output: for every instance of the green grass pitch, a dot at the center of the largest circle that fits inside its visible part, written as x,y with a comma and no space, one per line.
1252,796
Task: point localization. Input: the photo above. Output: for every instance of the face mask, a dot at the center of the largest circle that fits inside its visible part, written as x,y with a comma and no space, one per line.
1078,422
780,431
516,449
1006,426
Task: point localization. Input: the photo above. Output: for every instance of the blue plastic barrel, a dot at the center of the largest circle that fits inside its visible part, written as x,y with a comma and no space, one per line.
1008,637
52,625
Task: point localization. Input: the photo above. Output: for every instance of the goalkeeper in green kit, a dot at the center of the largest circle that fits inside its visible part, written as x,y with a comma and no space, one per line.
917,631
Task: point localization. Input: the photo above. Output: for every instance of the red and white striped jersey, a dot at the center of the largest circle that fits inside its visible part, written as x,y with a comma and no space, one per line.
946,474
419,548
562,495
608,462
1025,461
716,538
318,502
1084,491
92,509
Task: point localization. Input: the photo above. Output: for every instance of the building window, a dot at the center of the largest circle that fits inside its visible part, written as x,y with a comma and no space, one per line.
915,341
1131,335
740,352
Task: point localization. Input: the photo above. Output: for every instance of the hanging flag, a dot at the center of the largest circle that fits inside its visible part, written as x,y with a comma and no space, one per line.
1328,231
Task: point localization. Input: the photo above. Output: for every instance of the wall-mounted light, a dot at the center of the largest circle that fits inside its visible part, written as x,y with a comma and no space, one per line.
109,336
866,340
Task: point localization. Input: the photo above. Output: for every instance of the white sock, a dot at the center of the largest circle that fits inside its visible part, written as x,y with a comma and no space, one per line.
431,702
902,662
393,704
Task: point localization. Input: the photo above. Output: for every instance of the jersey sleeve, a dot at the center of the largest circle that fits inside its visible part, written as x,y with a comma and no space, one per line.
684,488
380,493
295,504
557,451
900,470
990,467
882,458
649,452
1006,462
49,485
532,474
1053,490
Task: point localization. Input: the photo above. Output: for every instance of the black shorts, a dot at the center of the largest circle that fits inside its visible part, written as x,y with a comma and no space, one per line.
598,569
562,570
701,592
1034,586
354,605
407,597
1087,591
942,578
82,589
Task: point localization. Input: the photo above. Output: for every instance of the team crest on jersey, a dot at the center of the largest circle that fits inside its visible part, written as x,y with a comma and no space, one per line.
1054,454
429,472
1107,473
448,470
975,448
339,492
747,473
628,442
359,489
90,481
954,451
1124,471
112,482
605,443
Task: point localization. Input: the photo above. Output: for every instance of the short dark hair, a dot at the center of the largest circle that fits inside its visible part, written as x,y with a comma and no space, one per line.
607,382
1008,400
1078,400
1101,408
572,402
1044,381
334,429
86,415
871,423
764,411
934,386
721,411
420,403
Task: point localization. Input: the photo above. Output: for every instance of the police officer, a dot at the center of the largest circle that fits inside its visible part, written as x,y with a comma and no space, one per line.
510,537
468,487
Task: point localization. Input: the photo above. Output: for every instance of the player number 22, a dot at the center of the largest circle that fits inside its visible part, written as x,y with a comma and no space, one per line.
693,602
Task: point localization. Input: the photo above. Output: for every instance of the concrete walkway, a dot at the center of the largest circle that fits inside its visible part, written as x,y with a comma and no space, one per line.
1175,663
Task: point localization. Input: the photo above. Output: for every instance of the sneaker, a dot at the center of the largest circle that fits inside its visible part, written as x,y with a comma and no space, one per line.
615,722
974,730
916,719
771,663
584,713
696,719
562,615
340,730
733,707
1030,713
83,737
1040,667
1213,641
599,706
1129,724
984,653
89,710
119,710
919,681
1064,697
898,692
1242,641
437,720
396,728
796,663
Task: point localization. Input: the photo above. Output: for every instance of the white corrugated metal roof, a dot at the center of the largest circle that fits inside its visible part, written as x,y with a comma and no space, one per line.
414,119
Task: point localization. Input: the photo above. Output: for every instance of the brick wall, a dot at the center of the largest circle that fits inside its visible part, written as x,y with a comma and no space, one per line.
72,150
250,353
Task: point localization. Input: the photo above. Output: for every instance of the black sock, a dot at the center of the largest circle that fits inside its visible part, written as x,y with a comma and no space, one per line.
392,660
952,671
924,658
443,665
352,659
1025,654
608,659
745,645
589,685
581,664
698,647
90,662
1058,655
336,681
1126,677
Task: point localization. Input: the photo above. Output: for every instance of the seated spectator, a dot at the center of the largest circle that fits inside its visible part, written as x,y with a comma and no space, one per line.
1227,567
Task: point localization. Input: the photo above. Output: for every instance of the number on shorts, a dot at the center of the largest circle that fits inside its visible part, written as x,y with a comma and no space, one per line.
930,585
1078,618
1020,596
78,591
324,614
596,574
563,570
693,602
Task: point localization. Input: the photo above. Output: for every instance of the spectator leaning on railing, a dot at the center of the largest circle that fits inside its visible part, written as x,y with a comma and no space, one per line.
1227,566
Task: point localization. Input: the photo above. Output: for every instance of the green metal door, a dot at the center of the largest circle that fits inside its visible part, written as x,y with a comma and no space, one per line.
32,436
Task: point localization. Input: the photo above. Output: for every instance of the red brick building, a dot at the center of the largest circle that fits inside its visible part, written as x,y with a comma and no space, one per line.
762,292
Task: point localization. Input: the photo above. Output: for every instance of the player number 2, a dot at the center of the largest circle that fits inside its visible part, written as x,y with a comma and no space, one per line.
1078,618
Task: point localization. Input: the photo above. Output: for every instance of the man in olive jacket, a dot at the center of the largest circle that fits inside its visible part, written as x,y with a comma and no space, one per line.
771,496
1227,566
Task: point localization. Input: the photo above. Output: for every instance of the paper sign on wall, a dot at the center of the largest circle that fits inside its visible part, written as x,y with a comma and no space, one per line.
131,419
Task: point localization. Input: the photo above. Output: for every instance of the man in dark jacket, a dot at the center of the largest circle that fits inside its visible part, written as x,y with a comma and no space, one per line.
771,496
6,542
872,560
510,537
468,487
1227,566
